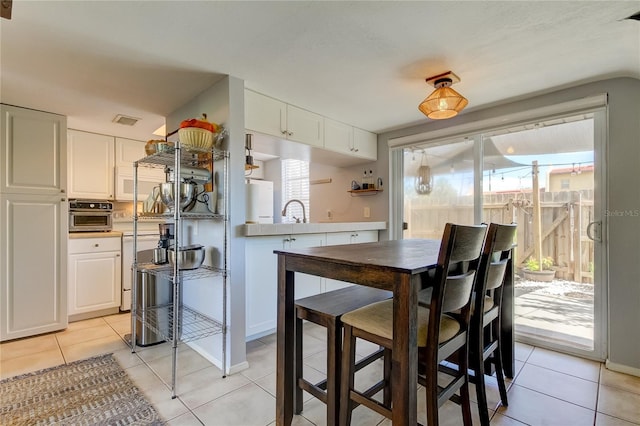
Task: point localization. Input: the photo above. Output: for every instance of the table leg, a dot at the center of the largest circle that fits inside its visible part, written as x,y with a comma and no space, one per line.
405,351
285,363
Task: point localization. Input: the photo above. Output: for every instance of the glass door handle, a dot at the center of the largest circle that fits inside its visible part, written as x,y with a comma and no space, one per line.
597,236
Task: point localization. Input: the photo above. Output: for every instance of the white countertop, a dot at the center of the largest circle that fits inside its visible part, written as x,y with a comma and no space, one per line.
110,234
261,229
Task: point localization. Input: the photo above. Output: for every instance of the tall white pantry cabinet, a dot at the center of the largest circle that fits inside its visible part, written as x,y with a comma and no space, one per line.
33,222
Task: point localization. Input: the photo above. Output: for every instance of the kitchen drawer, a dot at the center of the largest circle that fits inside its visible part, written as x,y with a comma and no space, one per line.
93,245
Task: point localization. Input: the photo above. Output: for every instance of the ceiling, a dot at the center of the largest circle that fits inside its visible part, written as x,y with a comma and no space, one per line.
361,62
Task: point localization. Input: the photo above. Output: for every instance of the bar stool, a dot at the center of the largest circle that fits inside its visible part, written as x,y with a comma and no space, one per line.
487,312
441,331
326,309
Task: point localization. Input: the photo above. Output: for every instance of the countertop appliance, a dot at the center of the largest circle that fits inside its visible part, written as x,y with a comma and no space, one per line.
90,215
259,201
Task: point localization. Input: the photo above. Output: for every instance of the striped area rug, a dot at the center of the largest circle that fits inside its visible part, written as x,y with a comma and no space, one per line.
94,391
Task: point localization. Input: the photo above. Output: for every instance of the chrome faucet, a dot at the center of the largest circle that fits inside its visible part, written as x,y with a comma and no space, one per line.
304,214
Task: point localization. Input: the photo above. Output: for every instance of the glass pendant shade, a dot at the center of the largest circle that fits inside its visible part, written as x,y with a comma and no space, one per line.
424,180
444,102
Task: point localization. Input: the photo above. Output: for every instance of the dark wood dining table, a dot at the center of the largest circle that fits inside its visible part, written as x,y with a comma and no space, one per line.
396,265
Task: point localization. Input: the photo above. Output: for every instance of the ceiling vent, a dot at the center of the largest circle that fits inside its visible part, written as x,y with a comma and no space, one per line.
125,120
635,16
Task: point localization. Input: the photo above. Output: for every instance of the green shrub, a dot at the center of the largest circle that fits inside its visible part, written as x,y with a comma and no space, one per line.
532,263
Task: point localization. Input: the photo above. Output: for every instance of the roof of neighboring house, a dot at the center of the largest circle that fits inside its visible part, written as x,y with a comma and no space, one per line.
578,168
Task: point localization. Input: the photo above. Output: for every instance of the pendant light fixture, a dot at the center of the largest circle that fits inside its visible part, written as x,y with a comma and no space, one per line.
424,179
444,102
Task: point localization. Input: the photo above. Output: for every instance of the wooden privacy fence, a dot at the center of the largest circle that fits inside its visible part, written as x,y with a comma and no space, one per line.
565,216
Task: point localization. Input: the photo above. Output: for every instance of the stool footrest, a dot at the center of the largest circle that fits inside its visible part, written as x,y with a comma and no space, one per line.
315,390
369,359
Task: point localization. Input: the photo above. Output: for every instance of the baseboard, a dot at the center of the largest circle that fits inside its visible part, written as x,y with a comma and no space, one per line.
215,361
238,367
94,314
622,368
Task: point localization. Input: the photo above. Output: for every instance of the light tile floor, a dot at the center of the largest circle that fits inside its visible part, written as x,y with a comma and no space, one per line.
549,388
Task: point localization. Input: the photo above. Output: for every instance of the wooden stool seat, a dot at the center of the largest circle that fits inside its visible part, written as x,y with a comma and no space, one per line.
326,309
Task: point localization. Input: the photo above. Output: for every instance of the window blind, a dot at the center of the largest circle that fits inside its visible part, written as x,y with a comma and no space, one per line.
295,183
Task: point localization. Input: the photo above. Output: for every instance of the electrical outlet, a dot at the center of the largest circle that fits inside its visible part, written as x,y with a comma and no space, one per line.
367,212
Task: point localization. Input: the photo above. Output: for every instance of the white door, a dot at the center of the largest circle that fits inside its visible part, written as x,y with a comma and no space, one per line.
33,282
33,148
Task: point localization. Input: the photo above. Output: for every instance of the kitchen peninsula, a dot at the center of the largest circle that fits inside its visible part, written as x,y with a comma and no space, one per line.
261,271
262,229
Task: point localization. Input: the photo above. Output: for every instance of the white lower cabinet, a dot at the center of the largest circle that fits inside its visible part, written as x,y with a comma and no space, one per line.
262,279
95,274
262,274
33,281
337,238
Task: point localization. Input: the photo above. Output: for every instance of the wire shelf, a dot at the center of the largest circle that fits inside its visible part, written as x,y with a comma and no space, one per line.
183,215
192,325
189,157
166,271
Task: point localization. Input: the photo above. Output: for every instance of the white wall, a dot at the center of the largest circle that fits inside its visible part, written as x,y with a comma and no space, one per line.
333,196
224,104
623,189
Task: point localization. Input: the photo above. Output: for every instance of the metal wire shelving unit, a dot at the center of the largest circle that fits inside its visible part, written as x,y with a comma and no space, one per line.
177,322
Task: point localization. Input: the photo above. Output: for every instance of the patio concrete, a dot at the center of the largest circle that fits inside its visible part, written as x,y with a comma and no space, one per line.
556,318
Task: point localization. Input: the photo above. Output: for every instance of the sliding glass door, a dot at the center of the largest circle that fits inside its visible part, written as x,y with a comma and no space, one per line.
438,187
547,177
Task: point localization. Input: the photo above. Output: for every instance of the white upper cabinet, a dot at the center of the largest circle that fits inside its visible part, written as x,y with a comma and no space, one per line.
338,136
346,139
265,115
304,126
365,144
270,116
31,143
127,152
341,144
90,158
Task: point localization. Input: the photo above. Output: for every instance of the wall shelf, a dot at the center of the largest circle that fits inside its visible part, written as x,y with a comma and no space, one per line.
358,192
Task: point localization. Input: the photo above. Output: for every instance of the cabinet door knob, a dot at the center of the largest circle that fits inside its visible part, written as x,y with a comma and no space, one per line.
290,133
293,239
63,199
96,245
62,191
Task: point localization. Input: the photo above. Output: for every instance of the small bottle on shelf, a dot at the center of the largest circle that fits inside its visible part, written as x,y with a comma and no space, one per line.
372,184
365,180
